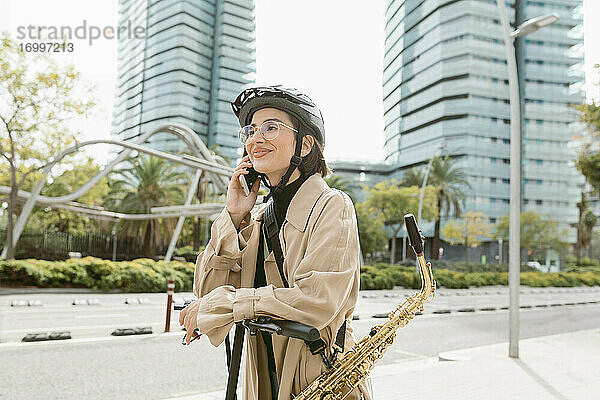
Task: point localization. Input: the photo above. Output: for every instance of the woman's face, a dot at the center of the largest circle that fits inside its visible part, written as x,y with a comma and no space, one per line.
272,157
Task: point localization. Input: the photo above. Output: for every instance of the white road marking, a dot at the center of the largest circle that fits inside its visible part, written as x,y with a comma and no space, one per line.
79,328
100,316
86,340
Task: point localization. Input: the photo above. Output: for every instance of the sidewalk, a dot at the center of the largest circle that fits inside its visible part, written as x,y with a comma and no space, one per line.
565,366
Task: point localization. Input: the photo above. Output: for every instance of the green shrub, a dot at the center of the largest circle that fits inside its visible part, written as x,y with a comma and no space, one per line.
141,275
385,276
188,253
146,275
571,262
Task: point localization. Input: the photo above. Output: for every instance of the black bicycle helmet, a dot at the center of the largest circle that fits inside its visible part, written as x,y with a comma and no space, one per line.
292,102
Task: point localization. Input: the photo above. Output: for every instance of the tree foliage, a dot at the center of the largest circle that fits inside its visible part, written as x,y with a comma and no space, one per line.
392,202
413,177
338,182
470,230
537,233
588,159
146,182
68,181
450,183
371,229
37,100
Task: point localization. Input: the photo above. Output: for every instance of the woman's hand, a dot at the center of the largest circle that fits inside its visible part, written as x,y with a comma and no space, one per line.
238,204
188,318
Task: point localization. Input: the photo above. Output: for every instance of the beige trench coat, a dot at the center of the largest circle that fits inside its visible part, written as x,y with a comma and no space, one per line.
319,239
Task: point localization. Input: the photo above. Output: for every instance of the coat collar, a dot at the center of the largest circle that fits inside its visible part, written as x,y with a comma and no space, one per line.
303,201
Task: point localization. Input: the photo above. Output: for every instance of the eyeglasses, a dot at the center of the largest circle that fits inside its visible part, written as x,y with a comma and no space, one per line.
268,129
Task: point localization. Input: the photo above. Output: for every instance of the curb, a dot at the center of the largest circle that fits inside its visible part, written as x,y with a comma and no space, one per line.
480,309
43,336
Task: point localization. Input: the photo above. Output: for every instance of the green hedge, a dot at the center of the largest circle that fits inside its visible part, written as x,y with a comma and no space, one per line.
145,275
386,276
141,275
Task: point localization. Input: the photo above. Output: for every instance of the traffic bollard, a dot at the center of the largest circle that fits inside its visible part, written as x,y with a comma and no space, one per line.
170,292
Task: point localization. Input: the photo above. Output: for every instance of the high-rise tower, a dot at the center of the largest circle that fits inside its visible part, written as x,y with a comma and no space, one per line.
445,84
195,57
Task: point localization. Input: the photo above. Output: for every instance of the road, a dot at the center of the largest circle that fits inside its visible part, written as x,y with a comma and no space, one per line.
158,367
57,312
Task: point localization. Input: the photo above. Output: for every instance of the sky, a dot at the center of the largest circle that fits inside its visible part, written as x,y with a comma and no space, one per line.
332,50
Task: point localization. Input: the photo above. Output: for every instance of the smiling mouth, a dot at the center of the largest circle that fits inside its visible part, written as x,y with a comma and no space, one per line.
258,154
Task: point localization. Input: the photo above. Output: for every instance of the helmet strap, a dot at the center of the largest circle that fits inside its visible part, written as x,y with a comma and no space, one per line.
294,163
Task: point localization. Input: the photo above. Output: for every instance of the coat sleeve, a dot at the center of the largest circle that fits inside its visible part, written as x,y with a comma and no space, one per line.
320,284
220,262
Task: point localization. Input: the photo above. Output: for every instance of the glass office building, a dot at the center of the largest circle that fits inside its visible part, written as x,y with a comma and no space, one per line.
195,57
445,90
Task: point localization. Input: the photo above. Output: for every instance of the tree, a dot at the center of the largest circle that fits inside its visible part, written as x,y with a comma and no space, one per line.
449,182
392,202
469,231
35,106
68,182
585,226
338,182
588,163
413,177
205,193
588,160
146,182
371,229
537,234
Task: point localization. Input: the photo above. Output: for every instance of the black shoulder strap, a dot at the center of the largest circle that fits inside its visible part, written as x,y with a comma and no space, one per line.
271,231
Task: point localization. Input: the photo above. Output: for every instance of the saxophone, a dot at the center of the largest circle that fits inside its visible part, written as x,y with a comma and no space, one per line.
356,364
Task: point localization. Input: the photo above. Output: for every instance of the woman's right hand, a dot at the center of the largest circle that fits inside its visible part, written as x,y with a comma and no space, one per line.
238,204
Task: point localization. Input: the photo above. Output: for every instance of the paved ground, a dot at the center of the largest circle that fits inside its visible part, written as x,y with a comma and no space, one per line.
562,367
111,312
157,367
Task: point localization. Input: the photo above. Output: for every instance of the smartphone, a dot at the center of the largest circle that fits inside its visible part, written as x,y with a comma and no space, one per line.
247,180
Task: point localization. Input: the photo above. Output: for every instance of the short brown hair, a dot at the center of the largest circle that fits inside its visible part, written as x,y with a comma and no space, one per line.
314,161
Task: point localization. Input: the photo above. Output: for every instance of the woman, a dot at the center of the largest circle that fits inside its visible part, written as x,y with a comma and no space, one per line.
235,279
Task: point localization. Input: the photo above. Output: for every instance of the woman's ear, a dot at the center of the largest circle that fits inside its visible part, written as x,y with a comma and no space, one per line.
308,142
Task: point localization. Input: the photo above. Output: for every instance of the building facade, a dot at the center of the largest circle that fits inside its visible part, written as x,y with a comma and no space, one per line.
445,90
195,57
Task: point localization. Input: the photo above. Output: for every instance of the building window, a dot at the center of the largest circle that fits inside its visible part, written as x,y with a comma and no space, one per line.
538,202
493,180
525,201
492,220
505,180
505,201
506,160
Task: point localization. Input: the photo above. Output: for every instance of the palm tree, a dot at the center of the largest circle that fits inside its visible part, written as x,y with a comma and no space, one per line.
338,182
449,182
413,177
146,182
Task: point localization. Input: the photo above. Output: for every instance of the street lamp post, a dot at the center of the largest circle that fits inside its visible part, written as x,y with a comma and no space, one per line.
514,255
